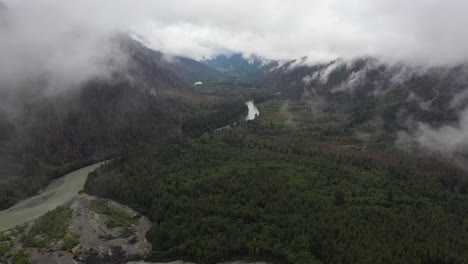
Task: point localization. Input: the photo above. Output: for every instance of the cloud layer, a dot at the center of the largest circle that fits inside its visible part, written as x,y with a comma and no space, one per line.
418,31
52,44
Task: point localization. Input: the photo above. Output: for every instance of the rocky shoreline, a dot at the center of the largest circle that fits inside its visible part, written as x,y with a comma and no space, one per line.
96,241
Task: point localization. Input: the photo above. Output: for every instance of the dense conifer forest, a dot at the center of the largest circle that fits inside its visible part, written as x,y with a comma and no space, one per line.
291,190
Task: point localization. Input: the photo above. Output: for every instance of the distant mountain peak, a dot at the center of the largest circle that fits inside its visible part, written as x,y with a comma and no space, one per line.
239,64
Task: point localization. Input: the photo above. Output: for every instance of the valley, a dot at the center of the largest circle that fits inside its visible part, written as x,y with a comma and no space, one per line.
86,226
290,182
62,190
200,132
280,189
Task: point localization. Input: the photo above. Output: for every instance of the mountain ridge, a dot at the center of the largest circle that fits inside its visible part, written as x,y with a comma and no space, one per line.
142,103
238,64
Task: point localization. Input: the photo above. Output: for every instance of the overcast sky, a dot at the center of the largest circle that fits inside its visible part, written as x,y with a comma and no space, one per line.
421,31
38,32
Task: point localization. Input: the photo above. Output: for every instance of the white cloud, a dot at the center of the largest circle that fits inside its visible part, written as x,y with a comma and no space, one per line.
419,31
449,140
70,39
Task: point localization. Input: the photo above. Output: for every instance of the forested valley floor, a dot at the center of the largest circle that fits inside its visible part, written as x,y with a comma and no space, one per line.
292,187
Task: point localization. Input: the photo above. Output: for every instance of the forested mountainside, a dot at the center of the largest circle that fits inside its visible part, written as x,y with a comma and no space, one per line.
147,101
372,88
391,107
187,70
416,109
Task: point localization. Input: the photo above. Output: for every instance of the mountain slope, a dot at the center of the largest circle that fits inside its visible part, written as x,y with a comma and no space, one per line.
433,95
237,64
188,70
393,108
144,102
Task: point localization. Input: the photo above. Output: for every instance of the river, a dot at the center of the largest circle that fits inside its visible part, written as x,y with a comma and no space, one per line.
64,189
57,193
251,115
253,111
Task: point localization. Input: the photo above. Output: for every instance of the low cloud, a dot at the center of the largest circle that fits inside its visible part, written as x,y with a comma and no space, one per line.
62,35
419,31
449,140
51,45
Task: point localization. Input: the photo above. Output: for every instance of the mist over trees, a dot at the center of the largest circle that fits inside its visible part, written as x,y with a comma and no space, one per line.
424,108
